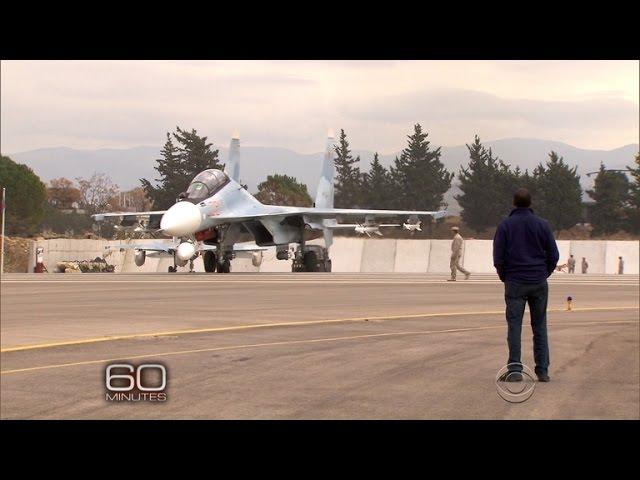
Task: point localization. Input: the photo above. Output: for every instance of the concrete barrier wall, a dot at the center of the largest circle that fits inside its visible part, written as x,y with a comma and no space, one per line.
629,253
412,256
378,255
478,256
346,254
594,251
356,255
564,248
439,256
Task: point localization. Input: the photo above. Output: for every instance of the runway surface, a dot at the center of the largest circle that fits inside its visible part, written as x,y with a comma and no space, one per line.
311,346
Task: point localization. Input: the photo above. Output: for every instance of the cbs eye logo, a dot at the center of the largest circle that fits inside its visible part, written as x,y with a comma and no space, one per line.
129,383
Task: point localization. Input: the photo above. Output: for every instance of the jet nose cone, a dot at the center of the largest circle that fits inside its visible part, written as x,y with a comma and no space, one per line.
181,219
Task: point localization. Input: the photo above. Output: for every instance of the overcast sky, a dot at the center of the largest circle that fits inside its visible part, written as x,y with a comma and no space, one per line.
292,104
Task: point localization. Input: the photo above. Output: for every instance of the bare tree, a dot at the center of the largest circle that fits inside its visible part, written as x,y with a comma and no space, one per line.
96,192
134,200
63,193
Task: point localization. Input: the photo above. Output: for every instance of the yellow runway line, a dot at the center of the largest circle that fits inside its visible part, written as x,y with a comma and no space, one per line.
282,324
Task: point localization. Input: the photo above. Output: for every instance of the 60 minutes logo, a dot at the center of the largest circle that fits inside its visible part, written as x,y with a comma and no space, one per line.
128,383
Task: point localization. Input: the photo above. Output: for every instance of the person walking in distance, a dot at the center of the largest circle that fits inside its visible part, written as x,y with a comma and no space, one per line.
585,265
620,266
571,263
525,254
456,255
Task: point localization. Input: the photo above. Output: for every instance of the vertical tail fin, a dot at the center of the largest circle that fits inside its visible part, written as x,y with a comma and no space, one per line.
232,167
324,193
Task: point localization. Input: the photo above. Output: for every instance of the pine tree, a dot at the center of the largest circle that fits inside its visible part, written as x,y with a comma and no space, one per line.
633,207
283,190
523,180
178,165
486,185
419,177
377,186
558,195
348,180
611,194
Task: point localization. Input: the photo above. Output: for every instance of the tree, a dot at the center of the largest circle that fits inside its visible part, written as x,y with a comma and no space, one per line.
62,193
611,193
487,184
283,190
524,180
633,206
25,196
377,188
348,179
419,177
134,200
95,192
558,195
178,164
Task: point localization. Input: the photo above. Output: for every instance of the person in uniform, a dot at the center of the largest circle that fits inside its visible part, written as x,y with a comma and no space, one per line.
571,263
585,265
456,255
620,266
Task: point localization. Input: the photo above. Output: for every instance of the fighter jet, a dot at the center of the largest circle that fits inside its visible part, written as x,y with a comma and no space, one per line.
216,217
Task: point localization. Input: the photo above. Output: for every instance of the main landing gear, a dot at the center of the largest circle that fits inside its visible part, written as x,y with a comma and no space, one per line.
314,259
212,263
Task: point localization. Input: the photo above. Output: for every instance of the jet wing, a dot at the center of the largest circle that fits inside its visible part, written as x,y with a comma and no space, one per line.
358,212
170,247
324,213
98,217
147,220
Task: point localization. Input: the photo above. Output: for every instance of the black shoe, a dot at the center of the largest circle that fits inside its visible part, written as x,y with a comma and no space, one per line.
511,377
543,376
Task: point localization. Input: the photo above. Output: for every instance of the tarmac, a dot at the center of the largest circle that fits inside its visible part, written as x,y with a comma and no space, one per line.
311,346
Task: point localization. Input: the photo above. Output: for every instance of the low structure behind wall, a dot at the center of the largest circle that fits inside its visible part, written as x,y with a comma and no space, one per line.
356,255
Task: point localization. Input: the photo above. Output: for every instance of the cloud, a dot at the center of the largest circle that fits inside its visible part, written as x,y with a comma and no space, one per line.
473,106
291,104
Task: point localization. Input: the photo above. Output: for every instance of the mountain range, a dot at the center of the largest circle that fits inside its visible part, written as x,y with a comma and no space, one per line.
127,166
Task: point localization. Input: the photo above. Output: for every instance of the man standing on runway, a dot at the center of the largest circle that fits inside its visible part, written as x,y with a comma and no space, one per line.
572,264
525,254
456,255
620,266
585,265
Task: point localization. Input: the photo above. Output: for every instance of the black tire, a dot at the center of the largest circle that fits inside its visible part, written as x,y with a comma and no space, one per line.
209,260
310,262
224,267
328,266
171,269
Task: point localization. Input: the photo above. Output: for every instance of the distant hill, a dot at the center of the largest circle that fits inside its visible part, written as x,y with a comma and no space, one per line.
126,166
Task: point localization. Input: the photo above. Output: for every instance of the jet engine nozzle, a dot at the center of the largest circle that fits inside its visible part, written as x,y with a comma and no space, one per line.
185,251
181,219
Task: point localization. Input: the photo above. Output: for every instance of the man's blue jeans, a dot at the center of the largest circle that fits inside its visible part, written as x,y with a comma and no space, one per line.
516,295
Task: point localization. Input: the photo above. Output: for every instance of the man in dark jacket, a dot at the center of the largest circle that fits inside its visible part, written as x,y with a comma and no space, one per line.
525,254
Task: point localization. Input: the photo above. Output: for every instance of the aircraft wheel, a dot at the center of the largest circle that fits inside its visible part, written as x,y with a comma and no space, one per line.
209,260
310,262
172,269
224,267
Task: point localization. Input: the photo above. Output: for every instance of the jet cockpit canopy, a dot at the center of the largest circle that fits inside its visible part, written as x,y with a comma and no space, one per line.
206,184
